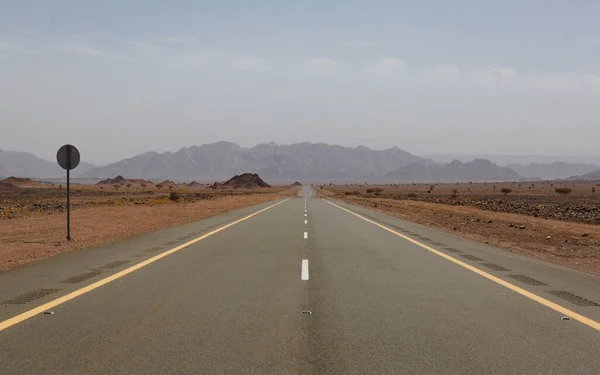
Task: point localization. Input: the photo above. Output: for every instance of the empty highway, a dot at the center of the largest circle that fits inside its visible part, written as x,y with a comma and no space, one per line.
298,286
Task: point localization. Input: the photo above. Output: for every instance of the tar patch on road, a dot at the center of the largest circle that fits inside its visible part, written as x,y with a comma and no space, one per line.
495,267
81,277
470,257
526,280
452,250
115,264
29,297
569,297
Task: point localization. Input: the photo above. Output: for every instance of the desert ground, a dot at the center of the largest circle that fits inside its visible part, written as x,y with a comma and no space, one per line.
33,217
532,219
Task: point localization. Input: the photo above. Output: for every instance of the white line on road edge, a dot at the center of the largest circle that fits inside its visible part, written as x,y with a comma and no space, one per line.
304,269
525,293
67,297
305,235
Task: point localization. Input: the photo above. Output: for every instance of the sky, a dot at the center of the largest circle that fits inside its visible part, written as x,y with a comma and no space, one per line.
117,78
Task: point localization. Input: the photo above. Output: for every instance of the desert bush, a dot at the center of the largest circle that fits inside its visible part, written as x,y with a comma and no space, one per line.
159,186
128,186
431,187
506,190
375,190
563,190
353,192
117,187
593,189
454,193
174,196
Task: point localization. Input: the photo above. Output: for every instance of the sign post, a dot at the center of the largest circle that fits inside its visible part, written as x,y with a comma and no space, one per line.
68,158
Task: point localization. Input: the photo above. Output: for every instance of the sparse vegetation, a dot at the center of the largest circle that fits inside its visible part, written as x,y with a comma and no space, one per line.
116,187
454,193
506,191
128,186
158,186
174,196
563,191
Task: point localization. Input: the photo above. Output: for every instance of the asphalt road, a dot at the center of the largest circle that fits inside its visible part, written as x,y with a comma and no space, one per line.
305,286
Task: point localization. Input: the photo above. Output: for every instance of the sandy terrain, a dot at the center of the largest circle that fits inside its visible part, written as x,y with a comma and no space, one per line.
32,221
537,199
570,244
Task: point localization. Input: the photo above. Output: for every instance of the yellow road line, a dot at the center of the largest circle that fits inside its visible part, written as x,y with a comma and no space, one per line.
554,306
60,300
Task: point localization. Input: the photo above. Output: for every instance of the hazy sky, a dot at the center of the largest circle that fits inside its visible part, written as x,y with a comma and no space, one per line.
117,77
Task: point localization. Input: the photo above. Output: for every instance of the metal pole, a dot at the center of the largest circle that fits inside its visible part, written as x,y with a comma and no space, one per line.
68,208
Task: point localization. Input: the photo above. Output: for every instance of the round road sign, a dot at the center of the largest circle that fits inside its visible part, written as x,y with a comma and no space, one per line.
68,157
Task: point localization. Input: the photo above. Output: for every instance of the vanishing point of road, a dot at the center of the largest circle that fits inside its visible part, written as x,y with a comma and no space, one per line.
298,286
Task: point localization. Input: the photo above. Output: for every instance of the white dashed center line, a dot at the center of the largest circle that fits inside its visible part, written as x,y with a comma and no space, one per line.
304,269
305,235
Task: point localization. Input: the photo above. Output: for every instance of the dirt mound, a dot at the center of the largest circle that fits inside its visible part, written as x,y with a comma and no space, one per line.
296,184
12,182
113,181
243,181
194,184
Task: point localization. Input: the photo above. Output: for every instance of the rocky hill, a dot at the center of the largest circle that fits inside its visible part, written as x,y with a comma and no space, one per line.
18,182
591,176
243,181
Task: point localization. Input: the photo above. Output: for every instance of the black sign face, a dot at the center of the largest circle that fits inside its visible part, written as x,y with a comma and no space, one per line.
68,157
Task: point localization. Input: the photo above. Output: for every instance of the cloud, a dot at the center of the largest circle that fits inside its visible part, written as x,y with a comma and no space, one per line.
7,46
593,39
496,76
323,67
547,82
145,48
388,67
187,61
177,39
562,82
92,51
361,44
443,73
250,63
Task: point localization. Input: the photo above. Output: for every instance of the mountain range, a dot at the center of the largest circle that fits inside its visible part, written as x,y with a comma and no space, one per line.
24,164
551,171
307,161
476,170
